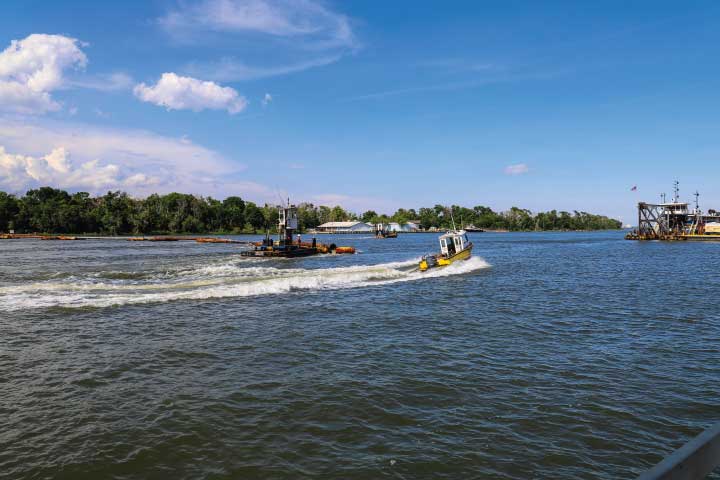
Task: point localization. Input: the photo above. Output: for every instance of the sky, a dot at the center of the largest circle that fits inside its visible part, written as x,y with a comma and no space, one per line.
366,104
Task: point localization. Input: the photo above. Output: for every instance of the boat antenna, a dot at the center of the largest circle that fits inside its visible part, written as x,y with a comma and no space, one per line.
662,197
452,217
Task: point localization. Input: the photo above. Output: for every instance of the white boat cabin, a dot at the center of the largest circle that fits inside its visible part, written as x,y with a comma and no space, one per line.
453,242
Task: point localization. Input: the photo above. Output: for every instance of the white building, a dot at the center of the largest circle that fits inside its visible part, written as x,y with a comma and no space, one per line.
344,227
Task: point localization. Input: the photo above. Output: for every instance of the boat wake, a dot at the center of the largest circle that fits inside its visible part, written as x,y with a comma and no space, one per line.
225,279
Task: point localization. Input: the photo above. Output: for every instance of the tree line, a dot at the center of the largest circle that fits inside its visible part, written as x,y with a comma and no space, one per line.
50,210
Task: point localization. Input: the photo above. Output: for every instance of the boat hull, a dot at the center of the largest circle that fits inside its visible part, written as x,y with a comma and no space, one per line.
284,253
295,250
441,261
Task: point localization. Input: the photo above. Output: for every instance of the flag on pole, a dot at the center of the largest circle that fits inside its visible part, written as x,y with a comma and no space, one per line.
634,188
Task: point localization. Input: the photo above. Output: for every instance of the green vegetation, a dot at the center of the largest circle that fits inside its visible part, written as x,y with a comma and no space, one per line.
49,210
515,219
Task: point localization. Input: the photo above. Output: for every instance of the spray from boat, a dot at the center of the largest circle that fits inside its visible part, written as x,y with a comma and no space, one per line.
236,278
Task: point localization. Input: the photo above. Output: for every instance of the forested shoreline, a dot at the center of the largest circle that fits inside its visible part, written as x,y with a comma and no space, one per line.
49,210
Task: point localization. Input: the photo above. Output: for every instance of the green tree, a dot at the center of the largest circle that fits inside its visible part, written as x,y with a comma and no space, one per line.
233,213
338,214
9,208
307,216
49,210
254,217
370,216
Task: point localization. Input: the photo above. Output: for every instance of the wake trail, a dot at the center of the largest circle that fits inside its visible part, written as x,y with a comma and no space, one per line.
214,281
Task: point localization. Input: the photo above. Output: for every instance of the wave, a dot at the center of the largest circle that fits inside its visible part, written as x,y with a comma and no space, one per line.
213,281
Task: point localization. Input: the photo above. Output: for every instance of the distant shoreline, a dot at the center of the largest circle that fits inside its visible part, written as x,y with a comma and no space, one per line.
59,212
101,236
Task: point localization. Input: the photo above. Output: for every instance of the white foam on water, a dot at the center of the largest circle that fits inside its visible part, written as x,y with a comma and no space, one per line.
221,280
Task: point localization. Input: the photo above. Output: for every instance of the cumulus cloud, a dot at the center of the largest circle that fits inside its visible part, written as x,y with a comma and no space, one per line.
186,93
19,171
146,162
517,169
306,19
32,68
140,180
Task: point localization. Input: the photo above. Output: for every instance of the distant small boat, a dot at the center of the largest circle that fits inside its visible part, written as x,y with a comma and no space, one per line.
454,246
382,231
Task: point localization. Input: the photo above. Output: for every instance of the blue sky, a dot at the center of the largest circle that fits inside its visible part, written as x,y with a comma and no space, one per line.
379,105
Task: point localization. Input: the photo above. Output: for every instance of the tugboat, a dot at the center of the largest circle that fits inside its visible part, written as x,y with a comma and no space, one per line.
381,231
284,246
454,246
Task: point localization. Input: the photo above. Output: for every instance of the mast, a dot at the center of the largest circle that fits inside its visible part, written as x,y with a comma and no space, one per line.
676,189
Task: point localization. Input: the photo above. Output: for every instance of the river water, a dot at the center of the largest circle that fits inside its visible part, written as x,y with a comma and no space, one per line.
547,355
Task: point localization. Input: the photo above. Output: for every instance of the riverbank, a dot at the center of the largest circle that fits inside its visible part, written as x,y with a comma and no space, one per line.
193,236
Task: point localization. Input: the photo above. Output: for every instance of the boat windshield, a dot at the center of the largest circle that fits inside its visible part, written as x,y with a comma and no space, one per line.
443,246
448,246
458,243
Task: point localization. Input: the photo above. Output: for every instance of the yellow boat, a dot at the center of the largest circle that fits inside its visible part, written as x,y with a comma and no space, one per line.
454,246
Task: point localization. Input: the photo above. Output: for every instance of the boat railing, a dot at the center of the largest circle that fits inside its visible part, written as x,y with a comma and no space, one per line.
693,461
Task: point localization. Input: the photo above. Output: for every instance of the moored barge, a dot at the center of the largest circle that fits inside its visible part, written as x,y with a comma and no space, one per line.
285,246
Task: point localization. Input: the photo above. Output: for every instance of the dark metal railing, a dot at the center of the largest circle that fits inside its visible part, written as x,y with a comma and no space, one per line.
693,461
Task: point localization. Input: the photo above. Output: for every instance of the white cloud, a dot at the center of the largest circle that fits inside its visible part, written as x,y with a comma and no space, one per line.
517,169
267,99
32,68
166,164
306,19
145,162
186,93
56,168
107,82
296,34
140,180
230,69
